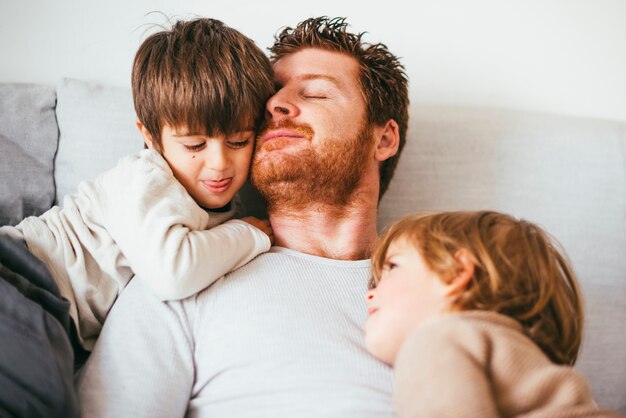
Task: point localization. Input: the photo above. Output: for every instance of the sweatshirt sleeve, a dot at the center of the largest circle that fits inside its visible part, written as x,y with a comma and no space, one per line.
163,232
436,376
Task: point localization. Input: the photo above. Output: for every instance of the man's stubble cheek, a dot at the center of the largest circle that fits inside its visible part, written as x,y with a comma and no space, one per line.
328,175
283,181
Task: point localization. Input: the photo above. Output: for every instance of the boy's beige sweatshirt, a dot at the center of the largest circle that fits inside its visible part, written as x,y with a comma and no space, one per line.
135,219
480,364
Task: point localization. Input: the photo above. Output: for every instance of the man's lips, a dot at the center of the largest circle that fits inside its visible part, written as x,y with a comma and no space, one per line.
217,186
281,133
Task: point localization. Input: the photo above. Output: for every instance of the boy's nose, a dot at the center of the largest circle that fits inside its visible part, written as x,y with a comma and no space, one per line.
216,158
371,302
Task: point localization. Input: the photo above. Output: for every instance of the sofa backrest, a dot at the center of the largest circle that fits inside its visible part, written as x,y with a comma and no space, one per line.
96,128
566,174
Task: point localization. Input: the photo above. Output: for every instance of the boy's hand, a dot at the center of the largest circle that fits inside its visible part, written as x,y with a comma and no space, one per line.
262,224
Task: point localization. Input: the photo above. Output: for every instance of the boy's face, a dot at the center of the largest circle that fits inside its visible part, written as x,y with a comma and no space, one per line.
212,169
408,293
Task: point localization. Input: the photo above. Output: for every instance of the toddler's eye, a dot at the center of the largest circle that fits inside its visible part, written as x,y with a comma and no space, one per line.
195,147
238,143
389,266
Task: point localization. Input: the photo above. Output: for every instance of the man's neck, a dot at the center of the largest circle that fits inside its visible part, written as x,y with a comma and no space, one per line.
338,233
321,235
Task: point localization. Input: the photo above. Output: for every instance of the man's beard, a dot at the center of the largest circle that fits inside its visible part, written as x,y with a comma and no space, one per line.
324,176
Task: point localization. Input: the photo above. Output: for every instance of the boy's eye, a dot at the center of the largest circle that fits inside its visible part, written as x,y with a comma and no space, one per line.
195,147
238,143
389,266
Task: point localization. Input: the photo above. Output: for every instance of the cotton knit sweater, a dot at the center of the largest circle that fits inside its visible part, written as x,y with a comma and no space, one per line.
135,218
480,364
281,337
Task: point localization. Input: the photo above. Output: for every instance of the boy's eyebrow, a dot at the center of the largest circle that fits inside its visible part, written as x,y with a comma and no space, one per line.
391,254
179,134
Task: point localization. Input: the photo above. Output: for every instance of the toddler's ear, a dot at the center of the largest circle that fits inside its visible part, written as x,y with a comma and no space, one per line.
144,132
460,282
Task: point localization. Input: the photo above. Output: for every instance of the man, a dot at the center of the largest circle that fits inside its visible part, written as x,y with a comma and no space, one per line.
283,335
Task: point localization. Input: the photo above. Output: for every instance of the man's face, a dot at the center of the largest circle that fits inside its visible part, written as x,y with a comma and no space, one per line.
316,143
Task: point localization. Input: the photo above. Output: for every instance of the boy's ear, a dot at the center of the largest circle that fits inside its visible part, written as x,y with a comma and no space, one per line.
463,277
146,135
387,140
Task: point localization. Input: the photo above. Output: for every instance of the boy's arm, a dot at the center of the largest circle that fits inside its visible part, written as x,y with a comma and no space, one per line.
199,258
162,231
436,376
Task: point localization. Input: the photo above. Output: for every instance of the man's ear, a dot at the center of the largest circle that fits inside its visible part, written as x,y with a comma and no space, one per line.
387,140
146,135
463,277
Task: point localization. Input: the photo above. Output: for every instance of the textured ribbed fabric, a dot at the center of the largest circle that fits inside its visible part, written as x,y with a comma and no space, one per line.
279,337
480,364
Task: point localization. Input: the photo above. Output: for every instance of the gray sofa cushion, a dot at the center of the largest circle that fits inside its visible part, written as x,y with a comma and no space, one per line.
28,141
97,128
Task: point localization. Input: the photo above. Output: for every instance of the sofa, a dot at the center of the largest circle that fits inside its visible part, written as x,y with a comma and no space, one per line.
567,174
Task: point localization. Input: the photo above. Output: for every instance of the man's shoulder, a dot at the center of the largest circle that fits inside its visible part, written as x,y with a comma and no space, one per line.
283,269
291,256
282,262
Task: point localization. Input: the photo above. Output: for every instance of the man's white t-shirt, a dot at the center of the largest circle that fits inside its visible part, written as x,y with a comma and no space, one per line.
280,337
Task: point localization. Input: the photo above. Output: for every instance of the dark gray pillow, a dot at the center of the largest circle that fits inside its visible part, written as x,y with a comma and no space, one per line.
28,141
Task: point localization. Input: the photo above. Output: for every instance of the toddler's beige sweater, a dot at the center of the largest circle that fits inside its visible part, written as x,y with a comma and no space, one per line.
481,364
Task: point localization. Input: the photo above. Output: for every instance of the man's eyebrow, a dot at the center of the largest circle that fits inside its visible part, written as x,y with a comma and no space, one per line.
315,76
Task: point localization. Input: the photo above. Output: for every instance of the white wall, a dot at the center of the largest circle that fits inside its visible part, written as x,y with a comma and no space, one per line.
562,56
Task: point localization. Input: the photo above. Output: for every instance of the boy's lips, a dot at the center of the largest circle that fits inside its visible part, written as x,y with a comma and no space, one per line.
217,186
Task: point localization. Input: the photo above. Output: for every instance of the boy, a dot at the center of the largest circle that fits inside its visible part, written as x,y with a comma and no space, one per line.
199,90
481,315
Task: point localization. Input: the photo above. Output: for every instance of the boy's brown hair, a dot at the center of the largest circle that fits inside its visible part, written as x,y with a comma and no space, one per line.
384,84
520,271
203,76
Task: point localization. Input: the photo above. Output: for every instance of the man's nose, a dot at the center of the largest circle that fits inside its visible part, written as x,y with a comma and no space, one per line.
279,107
